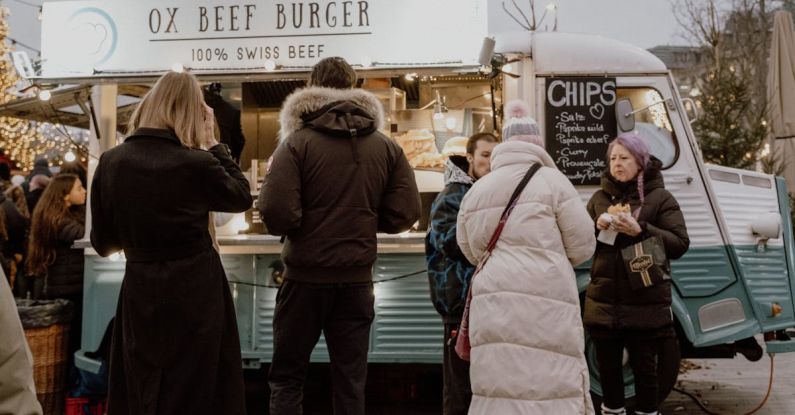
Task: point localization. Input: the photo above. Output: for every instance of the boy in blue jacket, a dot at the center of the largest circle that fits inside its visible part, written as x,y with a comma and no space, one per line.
449,272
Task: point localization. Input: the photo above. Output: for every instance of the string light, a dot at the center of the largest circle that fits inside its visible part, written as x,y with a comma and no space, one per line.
24,140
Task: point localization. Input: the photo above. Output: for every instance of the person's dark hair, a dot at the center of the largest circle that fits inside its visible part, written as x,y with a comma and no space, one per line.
472,143
333,72
74,168
48,216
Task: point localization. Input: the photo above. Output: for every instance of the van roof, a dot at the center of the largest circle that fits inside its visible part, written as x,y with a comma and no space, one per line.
556,53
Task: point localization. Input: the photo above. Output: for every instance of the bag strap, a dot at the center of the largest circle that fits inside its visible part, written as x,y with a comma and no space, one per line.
511,204
463,328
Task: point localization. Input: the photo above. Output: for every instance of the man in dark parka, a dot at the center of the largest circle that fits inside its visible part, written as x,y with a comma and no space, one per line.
175,347
334,182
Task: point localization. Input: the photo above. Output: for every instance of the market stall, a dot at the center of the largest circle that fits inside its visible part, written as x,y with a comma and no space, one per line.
252,56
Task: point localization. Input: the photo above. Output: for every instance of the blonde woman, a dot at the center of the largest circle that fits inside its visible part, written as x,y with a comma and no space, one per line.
175,346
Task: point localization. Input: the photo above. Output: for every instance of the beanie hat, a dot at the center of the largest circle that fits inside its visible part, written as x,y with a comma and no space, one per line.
519,125
40,166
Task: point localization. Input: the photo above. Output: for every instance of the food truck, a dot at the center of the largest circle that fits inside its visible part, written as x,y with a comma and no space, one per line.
735,282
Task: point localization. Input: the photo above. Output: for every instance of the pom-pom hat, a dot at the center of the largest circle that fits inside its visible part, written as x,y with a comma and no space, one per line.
519,125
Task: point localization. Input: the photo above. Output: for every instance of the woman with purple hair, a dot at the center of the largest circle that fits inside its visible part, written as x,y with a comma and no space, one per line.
616,315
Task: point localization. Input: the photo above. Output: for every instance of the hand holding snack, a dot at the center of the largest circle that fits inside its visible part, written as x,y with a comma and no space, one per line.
603,221
619,208
627,224
611,223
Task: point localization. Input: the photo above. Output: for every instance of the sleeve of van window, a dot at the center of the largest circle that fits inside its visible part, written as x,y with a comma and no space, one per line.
444,215
670,227
400,205
279,200
102,236
227,188
575,224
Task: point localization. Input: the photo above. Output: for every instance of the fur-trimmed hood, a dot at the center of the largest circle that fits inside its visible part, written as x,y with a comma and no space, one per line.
455,171
304,106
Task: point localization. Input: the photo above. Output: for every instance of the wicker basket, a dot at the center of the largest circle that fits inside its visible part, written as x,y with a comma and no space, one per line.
49,348
47,332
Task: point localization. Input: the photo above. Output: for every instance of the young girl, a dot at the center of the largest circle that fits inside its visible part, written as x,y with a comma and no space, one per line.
57,222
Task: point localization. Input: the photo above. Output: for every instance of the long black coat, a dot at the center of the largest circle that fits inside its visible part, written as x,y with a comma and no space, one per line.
610,301
175,346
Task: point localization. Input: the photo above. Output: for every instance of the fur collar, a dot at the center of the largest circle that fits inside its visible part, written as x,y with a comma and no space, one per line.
454,173
311,99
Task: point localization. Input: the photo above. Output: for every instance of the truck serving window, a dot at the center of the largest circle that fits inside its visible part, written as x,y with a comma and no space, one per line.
653,124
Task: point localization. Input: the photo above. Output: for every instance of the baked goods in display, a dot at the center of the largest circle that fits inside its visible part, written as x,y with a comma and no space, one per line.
455,146
619,208
420,149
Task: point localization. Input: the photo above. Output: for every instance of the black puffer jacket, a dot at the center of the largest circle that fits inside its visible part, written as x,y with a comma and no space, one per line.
65,275
334,182
610,301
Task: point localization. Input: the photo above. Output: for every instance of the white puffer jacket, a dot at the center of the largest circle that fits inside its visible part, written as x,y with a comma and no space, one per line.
525,326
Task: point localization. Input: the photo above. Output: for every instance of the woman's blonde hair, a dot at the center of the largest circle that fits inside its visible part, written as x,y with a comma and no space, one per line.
176,103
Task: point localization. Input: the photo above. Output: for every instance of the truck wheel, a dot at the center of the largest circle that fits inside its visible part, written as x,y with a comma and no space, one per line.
668,371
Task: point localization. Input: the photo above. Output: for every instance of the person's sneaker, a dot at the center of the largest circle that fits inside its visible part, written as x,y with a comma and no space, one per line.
608,411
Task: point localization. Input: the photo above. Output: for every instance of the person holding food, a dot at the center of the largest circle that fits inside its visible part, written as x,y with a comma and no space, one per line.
632,207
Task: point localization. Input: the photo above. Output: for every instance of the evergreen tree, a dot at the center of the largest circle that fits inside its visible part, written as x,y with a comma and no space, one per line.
731,129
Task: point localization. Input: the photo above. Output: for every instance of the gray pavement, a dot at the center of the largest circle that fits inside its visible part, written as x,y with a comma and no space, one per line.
726,386
735,386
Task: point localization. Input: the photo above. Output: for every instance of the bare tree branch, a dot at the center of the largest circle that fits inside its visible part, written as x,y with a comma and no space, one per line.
514,18
533,25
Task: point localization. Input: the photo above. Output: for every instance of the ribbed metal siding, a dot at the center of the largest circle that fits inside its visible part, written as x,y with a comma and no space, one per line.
767,279
406,326
765,273
240,268
703,271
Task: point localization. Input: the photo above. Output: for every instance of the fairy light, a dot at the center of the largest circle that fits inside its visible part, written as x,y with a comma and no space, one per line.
24,140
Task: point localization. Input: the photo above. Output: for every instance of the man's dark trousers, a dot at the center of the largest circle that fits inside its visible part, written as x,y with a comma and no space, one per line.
343,313
457,389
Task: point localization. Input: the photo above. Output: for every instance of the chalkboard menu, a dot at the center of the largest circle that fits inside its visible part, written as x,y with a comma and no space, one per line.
580,123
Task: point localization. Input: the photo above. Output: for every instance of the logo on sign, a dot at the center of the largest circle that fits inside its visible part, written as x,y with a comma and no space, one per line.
95,34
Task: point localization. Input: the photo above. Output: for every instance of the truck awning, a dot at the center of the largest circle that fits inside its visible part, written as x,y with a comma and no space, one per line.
71,106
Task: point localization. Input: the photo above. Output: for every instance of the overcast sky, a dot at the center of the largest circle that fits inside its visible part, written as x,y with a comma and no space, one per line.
645,23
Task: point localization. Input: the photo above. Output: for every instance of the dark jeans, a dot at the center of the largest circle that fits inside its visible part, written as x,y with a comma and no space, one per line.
644,358
343,313
457,389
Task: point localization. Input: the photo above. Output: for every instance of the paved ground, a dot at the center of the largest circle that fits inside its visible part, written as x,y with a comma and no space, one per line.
726,386
735,386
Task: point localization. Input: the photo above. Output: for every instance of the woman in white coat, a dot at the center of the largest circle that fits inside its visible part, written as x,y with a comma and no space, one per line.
525,326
